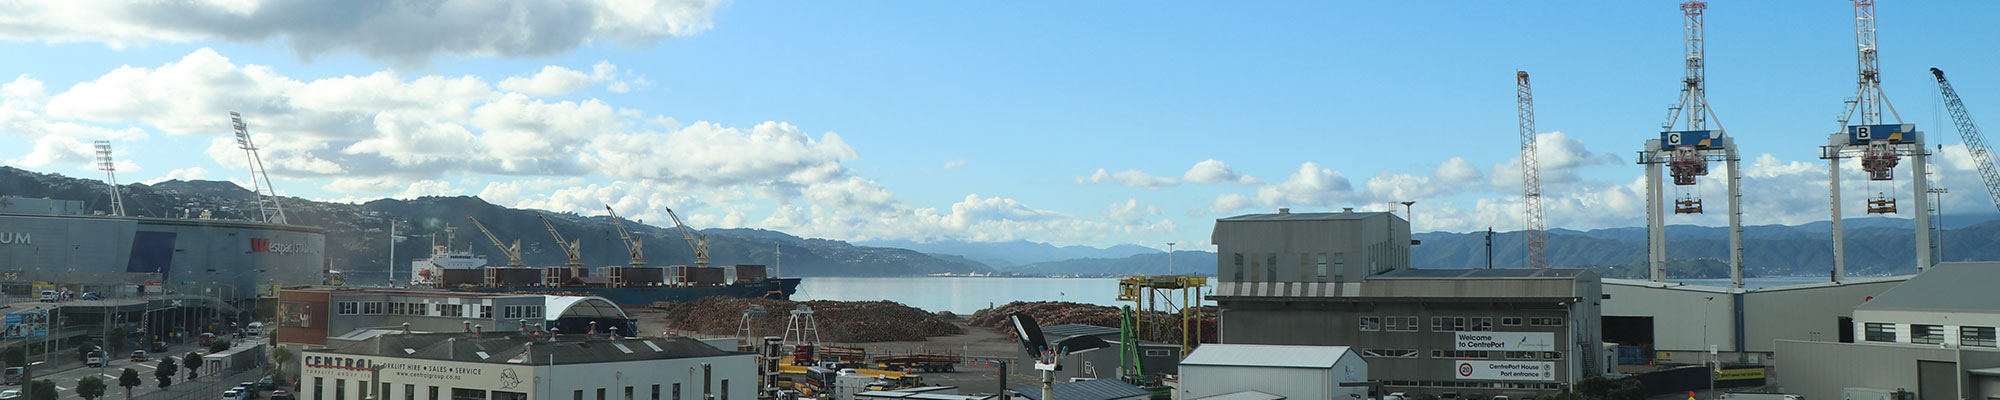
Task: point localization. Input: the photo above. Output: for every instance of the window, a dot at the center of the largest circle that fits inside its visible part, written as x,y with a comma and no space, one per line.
371,308
1520,355
1549,321
434,393
677,392
395,308
467,394
384,393
1438,324
1340,267
1510,321
1458,354
1255,268
532,312
409,391
340,389
1271,267
1390,353
362,391
1880,332
1981,336
600,394
499,395
656,391
349,308
1322,267
485,311
1371,324
1927,334
628,393
1552,355
577,395
1455,324
1401,324
415,309
318,385
725,390
510,312
1238,271
1482,323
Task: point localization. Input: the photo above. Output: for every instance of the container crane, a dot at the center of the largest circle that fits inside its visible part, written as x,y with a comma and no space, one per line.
513,252
1975,143
571,247
697,242
1880,142
1686,154
632,244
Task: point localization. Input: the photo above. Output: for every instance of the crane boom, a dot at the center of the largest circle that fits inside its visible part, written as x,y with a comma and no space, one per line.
1531,177
513,252
632,244
697,242
1975,142
571,247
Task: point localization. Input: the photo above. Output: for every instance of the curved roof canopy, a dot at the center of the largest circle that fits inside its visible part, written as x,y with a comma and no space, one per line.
582,307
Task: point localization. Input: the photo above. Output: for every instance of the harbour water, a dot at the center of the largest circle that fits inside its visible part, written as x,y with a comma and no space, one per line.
959,294
965,295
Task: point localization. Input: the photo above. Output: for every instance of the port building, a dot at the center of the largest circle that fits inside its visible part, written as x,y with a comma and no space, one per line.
513,366
1667,323
1253,371
325,317
1933,335
1343,279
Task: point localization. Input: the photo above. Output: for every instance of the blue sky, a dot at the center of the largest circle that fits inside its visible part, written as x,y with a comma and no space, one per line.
978,121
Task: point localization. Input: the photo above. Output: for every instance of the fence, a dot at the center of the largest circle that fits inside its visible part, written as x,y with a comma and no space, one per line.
204,387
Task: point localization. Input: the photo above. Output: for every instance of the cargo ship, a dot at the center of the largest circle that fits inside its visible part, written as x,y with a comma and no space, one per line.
455,269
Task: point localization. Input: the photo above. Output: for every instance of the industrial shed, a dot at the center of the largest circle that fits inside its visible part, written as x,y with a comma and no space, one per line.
1297,372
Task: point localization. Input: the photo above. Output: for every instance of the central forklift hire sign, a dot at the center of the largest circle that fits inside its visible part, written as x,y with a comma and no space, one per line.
1504,341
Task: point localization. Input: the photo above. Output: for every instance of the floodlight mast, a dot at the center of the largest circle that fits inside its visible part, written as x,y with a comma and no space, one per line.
1046,360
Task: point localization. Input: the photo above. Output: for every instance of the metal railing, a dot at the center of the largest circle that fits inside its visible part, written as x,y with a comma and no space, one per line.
203,387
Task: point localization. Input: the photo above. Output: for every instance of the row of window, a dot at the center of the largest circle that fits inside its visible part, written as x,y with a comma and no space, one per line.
1463,354
1449,324
1981,336
1467,384
434,310
410,392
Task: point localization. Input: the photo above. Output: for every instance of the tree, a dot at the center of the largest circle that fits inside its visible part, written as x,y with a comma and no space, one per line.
115,340
165,372
193,363
129,379
218,346
15,355
280,357
90,387
43,390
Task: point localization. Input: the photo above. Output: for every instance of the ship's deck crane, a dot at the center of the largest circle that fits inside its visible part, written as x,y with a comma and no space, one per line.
632,244
571,247
1975,143
513,252
697,242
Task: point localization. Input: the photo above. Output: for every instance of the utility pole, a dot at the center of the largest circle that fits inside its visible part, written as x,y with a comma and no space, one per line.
1170,258
1489,247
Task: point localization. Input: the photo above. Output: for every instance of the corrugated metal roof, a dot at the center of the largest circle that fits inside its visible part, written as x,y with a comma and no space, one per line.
1482,273
1244,395
1954,286
514,348
1101,389
1329,216
1266,355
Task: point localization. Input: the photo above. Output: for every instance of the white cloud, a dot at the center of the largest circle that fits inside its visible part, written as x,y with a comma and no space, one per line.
614,80
710,153
427,187
551,81
1311,185
58,150
1130,177
186,174
1215,171
1129,212
1456,170
404,32
954,163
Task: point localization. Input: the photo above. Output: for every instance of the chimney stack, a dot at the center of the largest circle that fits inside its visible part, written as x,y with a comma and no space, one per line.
406,328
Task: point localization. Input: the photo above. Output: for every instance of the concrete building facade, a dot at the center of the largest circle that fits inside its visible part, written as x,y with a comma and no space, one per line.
326,317
1672,323
1510,331
1294,372
456,366
1933,334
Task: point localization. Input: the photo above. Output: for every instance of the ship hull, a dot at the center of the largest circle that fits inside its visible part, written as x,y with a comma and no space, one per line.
775,288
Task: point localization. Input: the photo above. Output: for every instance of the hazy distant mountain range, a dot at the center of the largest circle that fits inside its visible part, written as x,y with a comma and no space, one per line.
357,240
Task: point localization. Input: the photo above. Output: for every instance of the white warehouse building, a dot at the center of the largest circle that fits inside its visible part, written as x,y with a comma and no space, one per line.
458,366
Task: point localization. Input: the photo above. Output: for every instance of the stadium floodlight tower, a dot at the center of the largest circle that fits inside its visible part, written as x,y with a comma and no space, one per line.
1687,154
1878,143
110,168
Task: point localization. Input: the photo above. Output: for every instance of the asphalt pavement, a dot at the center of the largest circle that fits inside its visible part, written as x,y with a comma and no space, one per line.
65,379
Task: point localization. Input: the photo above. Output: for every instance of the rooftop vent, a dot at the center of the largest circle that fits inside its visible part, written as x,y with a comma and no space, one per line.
1347,210
1284,210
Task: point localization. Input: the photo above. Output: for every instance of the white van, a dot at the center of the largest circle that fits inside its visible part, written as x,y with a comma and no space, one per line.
49,296
255,328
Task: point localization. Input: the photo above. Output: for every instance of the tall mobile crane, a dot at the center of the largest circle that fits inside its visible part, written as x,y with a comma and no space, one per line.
513,252
632,244
1531,176
571,247
697,242
1975,143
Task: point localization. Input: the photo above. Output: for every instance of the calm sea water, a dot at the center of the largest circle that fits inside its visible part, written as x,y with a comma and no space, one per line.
962,295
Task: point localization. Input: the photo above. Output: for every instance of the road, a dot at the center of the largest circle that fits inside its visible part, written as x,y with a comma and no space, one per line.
66,380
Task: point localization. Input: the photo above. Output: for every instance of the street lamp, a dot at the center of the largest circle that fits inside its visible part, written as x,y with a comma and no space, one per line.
1406,212
1170,258
1704,343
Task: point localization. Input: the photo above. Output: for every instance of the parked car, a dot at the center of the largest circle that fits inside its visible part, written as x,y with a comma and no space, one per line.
249,389
1501,397
139,355
281,395
13,376
1449,396
159,347
50,296
10,394
92,296
267,383
232,394
95,360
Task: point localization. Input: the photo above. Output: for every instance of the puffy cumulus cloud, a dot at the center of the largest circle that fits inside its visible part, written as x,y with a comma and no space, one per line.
1129,212
721,156
428,187
1311,185
58,150
186,174
21,103
615,80
1456,170
1215,171
954,163
642,200
510,193
404,32
1230,202
1559,156
551,81
853,193
1130,177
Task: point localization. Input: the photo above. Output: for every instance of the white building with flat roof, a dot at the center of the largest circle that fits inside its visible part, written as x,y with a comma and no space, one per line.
513,366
